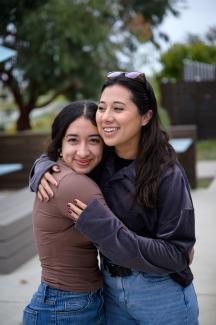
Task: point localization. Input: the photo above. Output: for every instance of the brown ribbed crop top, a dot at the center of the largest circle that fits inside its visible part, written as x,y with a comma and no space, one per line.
68,259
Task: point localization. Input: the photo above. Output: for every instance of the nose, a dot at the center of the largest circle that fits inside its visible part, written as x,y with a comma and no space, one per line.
83,150
107,116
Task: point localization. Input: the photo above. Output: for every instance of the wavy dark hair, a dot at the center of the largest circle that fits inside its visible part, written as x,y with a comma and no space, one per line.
155,154
62,121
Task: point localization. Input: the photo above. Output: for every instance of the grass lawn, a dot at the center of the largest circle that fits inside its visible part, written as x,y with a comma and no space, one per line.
206,149
203,182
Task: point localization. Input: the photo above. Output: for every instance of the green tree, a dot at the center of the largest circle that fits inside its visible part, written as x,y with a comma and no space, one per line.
66,46
142,18
211,35
195,48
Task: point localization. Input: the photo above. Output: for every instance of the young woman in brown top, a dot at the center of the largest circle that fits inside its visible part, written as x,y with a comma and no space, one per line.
70,290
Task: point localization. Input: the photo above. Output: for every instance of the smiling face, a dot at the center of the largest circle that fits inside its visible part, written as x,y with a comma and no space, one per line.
82,147
119,121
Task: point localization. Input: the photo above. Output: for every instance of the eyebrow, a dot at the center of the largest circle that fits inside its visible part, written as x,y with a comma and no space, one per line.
115,102
76,135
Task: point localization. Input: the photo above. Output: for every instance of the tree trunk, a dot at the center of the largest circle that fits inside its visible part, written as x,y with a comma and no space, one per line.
23,122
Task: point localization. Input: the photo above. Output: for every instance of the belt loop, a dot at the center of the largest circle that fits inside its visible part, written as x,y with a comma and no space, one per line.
44,291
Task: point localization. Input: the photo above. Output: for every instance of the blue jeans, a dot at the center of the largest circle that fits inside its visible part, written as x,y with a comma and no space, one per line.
148,299
57,307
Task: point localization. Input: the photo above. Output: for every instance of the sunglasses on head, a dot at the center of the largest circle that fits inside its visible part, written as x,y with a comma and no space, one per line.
130,75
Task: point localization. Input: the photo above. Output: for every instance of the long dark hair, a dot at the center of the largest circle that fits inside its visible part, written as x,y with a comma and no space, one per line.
62,121
155,154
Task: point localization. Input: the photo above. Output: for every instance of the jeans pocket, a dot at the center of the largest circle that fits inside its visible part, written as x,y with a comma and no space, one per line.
190,299
77,303
29,316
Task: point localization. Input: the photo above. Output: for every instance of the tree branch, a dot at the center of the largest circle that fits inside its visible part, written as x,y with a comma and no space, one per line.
60,92
12,84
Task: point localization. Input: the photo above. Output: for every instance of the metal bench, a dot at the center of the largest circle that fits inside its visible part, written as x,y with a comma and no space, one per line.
16,238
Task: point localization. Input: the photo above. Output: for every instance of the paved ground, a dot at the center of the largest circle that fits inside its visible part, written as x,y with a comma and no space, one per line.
206,169
17,287
204,265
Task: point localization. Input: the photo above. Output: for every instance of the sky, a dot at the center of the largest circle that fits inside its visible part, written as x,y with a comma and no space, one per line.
196,17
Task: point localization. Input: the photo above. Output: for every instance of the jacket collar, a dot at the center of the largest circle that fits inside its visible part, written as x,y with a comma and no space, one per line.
109,166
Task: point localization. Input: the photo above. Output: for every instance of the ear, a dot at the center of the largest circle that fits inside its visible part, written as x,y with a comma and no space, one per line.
147,117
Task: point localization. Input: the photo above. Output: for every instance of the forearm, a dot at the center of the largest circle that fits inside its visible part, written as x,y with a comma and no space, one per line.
126,248
40,166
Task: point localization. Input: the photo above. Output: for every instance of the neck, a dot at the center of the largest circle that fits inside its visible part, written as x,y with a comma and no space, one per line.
126,153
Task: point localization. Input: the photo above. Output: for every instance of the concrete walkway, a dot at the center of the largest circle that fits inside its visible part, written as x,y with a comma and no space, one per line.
204,264
17,287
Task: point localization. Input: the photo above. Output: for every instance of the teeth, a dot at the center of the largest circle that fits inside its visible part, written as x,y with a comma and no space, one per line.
110,129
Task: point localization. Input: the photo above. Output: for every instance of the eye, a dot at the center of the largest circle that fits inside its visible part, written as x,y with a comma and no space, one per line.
72,140
95,140
101,108
118,109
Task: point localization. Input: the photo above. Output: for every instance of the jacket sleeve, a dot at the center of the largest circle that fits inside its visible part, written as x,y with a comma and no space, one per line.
167,252
40,166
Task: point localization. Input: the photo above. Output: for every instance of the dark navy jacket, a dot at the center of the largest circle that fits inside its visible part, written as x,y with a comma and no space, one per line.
150,240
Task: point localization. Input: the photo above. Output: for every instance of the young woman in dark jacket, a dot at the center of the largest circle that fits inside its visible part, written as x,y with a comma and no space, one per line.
146,238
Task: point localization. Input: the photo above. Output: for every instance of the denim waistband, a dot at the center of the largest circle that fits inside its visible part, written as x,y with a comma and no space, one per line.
46,289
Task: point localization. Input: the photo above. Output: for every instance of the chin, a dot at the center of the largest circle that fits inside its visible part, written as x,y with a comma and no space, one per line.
110,142
83,170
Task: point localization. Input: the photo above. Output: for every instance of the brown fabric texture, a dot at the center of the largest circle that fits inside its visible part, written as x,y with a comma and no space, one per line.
68,259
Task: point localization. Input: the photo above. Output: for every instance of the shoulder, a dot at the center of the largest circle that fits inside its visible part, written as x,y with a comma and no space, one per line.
174,188
72,185
174,179
72,179
68,177
80,182
175,171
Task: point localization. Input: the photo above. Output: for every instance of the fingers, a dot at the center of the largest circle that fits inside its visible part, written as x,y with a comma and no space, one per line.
75,209
46,187
49,177
45,192
39,196
42,193
56,168
80,204
73,215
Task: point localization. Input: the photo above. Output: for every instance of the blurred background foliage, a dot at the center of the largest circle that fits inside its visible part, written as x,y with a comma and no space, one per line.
195,49
66,47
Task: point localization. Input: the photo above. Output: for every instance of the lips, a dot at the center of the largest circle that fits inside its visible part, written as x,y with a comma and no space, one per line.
83,162
110,130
